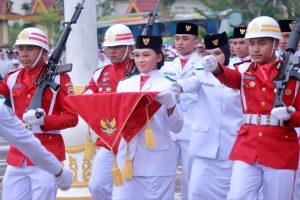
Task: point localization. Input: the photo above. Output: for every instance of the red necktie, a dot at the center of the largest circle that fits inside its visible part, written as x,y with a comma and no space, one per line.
143,80
183,62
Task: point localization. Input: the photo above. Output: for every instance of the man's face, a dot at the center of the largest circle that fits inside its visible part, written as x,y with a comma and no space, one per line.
240,47
283,42
28,55
185,44
116,53
261,50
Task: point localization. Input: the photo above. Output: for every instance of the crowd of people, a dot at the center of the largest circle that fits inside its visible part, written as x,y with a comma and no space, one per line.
217,117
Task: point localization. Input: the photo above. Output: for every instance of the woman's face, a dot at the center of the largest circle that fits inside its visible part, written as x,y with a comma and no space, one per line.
146,60
218,53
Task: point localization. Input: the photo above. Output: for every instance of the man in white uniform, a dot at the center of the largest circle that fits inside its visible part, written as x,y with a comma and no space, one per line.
218,115
186,42
14,132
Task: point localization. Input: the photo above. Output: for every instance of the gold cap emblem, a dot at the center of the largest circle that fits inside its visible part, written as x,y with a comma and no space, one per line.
24,35
253,28
215,42
242,31
108,126
109,37
146,41
188,27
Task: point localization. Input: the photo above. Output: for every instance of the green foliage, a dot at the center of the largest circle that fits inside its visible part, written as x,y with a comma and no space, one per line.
13,31
167,3
107,7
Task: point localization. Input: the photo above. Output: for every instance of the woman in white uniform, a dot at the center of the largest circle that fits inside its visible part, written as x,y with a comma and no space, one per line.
154,169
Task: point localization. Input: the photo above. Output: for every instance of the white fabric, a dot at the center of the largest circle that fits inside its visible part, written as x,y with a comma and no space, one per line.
30,116
64,181
186,103
101,181
282,113
261,120
186,166
154,169
246,181
209,63
166,98
28,182
218,114
146,188
210,179
13,130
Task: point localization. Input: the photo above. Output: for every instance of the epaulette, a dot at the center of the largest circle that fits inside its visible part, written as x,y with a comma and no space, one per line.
239,63
11,72
167,77
126,78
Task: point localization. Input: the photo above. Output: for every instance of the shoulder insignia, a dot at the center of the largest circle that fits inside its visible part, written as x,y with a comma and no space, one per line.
167,77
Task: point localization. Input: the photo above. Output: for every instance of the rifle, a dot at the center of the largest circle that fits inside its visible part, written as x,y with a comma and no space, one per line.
49,71
147,30
289,66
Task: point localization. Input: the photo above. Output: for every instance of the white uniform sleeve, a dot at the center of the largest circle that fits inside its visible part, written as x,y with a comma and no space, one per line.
12,129
190,85
175,121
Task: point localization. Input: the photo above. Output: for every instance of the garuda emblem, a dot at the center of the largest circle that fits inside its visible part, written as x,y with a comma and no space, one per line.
108,126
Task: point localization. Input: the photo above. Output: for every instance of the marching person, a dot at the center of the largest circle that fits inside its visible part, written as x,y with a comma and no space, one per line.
240,46
154,169
218,116
186,42
118,41
266,150
23,180
15,133
286,27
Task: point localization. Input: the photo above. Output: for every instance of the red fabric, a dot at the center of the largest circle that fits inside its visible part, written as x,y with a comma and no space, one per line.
143,81
272,146
183,62
63,115
115,114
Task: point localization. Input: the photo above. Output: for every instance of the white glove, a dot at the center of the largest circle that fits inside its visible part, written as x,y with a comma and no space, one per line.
89,91
176,88
209,63
282,113
34,116
64,180
166,98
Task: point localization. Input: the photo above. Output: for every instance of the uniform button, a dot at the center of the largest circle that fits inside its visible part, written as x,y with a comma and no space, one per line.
50,137
263,103
260,134
286,136
28,96
263,89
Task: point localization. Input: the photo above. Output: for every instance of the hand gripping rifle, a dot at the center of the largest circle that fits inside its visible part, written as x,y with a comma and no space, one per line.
147,30
49,71
288,68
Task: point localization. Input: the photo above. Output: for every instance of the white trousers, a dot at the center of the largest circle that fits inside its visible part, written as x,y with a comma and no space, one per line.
146,188
186,162
28,183
101,181
210,179
246,181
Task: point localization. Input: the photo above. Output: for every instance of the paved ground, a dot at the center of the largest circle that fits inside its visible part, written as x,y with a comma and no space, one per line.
3,152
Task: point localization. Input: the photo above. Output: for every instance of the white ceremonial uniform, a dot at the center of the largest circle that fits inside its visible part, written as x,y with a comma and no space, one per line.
153,169
219,115
188,101
13,130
